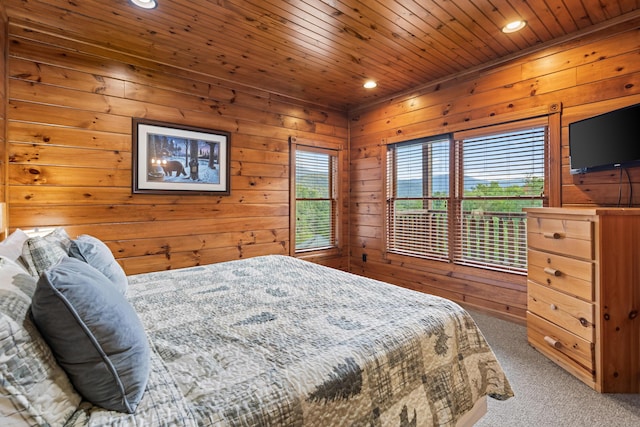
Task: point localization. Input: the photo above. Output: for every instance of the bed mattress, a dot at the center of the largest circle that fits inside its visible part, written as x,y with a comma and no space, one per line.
277,341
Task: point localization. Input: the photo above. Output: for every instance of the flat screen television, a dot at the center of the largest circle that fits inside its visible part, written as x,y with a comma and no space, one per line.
605,141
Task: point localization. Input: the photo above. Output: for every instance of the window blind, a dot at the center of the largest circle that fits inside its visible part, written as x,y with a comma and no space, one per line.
500,174
417,198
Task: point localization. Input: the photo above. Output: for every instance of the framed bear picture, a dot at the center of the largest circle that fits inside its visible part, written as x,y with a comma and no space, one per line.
178,159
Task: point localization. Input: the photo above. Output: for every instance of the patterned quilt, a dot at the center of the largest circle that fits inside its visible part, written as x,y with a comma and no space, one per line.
276,341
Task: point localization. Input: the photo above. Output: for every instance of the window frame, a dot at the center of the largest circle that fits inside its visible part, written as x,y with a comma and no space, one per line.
335,192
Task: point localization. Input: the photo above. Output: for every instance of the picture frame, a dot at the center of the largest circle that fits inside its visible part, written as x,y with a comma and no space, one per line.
178,159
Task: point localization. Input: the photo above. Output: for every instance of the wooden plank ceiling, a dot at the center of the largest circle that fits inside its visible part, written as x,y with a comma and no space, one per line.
323,51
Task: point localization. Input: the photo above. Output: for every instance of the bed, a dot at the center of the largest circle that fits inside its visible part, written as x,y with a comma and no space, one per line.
267,341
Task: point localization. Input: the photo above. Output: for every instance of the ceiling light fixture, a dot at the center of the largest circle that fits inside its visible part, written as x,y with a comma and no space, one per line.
514,26
370,84
145,4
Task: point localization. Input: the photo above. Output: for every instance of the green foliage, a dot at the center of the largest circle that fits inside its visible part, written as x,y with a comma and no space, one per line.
313,217
420,204
512,202
311,191
490,197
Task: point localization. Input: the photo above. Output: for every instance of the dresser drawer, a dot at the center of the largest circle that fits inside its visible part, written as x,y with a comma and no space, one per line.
570,313
569,275
554,340
564,236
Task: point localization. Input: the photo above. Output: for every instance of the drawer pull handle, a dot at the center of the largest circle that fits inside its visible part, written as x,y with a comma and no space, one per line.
552,271
553,307
555,235
553,342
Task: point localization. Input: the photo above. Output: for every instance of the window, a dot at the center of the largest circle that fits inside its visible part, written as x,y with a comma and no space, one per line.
316,198
418,198
459,198
501,173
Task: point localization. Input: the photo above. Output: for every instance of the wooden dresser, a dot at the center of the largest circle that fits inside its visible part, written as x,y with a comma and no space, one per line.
584,293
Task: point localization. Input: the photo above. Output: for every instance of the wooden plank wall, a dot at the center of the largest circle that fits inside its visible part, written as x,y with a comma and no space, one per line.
3,102
70,109
590,75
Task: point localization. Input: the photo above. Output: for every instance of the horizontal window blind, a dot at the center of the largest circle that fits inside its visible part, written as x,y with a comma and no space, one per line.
316,200
501,174
417,198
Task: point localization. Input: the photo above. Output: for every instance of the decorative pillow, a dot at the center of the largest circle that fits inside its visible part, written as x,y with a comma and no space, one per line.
98,255
60,237
41,252
11,247
163,404
95,334
34,390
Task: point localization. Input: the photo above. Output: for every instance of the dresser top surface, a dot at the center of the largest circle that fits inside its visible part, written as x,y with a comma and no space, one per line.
584,211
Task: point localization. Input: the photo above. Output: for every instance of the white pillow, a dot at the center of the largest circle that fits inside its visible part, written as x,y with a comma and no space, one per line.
11,247
34,390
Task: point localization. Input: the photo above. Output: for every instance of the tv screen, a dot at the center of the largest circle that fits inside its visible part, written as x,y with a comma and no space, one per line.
605,141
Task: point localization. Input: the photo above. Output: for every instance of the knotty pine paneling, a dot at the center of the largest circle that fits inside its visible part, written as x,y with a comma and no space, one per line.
3,104
323,51
69,117
588,76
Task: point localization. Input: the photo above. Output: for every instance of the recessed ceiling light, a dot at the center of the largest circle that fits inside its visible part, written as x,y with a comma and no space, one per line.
145,4
370,84
514,26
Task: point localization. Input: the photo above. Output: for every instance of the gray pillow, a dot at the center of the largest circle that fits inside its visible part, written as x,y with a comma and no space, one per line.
41,252
94,333
98,255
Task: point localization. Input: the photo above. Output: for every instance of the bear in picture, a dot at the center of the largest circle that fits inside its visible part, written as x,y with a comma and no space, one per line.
174,166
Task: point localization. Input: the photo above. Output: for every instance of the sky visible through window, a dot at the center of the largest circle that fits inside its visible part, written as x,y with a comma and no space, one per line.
508,159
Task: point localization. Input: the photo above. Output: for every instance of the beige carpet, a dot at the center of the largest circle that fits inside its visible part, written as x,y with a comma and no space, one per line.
545,395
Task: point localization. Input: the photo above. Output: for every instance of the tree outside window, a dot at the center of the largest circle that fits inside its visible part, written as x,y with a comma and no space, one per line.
316,199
